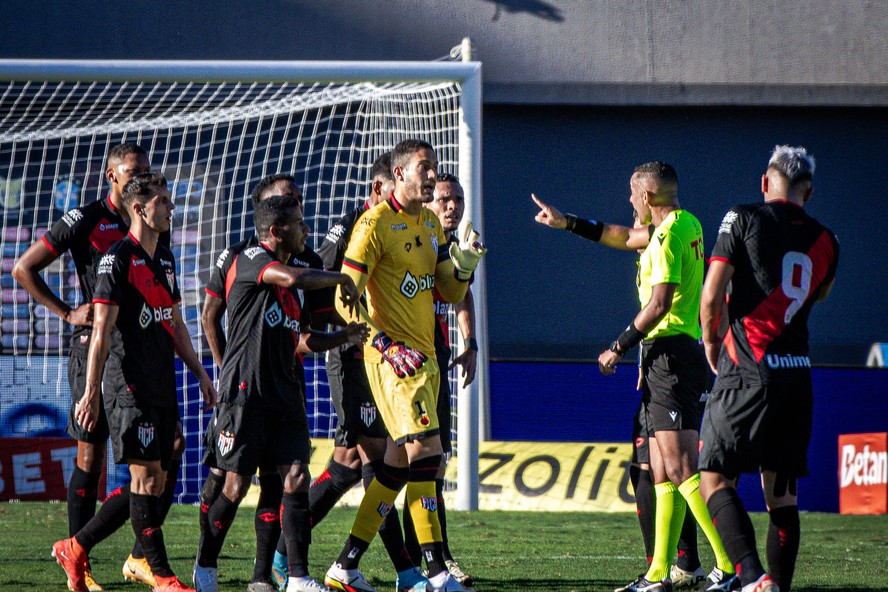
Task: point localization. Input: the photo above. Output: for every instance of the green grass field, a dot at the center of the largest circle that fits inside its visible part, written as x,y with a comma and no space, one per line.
505,551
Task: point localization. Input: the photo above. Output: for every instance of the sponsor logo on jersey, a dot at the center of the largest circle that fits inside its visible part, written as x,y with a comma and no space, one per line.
401,226
441,307
138,262
299,263
253,252
430,224
146,433
384,509
156,315
411,285
727,222
787,361
368,414
104,227
72,217
220,260
226,442
429,503
166,263
336,232
863,467
274,316
106,263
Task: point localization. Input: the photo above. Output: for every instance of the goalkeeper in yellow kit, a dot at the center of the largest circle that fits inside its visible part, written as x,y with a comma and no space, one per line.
394,255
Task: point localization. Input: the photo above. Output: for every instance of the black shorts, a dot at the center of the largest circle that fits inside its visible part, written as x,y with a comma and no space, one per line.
142,432
243,437
352,398
676,374
445,418
77,382
758,428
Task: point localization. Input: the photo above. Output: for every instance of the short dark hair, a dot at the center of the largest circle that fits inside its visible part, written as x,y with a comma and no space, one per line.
663,171
273,211
121,151
382,167
405,149
267,181
448,178
141,188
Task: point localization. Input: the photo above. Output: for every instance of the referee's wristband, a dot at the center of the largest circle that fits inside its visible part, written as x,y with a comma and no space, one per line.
590,229
628,339
472,344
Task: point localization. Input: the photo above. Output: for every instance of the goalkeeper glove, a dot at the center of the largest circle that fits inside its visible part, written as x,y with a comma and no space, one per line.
466,253
405,360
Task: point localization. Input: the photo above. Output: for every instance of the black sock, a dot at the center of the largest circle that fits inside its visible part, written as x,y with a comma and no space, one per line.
83,490
442,518
351,553
145,515
736,532
267,521
688,559
113,514
433,553
220,516
166,500
411,544
211,489
782,547
390,529
329,488
296,526
645,503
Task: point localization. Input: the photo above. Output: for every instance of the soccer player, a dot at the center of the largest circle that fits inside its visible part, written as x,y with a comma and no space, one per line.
360,434
261,417
88,232
778,261
136,295
448,205
393,253
318,303
674,367
687,571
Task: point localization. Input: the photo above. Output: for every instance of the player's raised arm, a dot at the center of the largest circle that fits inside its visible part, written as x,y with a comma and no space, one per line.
457,264
616,236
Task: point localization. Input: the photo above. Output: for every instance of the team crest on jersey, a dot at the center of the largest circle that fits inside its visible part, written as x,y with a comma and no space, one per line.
429,503
368,414
171,279
422,414
226,442
146,433
435,243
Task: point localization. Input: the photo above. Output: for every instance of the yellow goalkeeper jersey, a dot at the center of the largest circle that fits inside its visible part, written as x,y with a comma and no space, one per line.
399,255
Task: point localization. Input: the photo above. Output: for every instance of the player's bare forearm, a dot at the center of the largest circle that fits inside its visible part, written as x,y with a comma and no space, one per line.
712,301
320,341
211,320
450,288
465,315
27,273
86,412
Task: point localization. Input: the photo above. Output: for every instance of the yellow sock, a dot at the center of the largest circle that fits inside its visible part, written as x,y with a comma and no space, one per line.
377,503
690,490
422,503
668,517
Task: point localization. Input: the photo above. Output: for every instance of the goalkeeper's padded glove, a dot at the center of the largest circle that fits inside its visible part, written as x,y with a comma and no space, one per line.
405,360
466,253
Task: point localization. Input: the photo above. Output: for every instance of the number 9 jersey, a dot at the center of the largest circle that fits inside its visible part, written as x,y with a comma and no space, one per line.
781,257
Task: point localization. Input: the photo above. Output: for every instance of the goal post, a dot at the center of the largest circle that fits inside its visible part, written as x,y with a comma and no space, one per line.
215,128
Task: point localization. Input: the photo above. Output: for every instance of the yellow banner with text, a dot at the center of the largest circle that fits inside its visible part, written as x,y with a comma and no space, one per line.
533,476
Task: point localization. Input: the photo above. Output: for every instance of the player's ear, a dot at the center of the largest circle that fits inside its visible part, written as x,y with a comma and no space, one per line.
765,183
377,187
398,173
109,174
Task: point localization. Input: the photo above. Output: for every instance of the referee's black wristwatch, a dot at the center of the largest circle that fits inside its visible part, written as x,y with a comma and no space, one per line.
615,347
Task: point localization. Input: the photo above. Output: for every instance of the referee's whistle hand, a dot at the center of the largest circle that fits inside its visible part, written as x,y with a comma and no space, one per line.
607,362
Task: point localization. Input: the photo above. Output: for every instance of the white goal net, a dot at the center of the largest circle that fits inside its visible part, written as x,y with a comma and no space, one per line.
213,131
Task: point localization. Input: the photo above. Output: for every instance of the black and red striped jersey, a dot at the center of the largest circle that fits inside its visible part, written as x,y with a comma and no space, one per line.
260,362
781,257
315,302
141,362
88,232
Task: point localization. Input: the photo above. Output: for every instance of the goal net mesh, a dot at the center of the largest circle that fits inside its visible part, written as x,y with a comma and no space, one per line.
213,142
